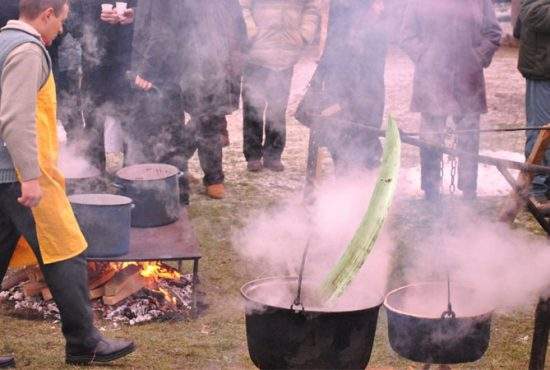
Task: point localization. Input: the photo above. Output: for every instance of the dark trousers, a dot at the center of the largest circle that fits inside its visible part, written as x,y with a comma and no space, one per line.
432,130
67,280
537,110
265,91
205,134
156,132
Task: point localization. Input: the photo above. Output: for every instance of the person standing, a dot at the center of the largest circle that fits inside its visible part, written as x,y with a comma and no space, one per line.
106,41
214,38
533,30
450,43
347,90
157,130
34,210
278,31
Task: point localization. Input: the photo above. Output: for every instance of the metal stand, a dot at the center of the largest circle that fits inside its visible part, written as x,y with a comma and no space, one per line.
175,242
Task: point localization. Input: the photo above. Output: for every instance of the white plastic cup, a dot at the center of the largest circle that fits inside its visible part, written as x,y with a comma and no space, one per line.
121,8
106,7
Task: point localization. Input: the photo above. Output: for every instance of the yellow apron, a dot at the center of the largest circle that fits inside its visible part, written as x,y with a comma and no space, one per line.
59,235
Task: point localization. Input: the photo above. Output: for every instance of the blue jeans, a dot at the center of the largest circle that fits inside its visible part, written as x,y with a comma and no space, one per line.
537,110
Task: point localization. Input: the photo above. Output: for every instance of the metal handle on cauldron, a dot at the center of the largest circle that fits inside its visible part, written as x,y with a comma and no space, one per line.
449,314
298,300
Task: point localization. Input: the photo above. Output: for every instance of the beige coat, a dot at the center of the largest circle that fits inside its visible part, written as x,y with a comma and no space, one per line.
279,30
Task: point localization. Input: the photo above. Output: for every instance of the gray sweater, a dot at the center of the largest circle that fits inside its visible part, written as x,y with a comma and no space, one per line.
24,68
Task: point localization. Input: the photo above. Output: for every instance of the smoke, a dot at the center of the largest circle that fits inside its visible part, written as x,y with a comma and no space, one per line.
275,240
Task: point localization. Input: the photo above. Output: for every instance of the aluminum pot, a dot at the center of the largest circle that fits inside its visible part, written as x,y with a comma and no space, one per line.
154,188
85,182
105,222
283,338
418,332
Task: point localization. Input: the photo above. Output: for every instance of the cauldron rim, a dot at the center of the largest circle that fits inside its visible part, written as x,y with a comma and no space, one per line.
117,200
126,172
481,316
257,282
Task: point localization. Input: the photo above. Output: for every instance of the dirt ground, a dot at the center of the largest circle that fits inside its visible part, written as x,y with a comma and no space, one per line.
217,339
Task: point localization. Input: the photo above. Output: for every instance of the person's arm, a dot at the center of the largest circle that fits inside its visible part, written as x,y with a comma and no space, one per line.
535,14
22,77
491,34
310,20
410,40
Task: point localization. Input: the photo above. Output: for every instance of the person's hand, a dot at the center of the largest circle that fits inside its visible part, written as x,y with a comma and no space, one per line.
110,16
31,193
143,84
127,17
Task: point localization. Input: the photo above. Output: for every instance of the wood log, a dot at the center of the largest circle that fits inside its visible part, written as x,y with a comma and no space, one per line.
33,288
97,293
131,285
101,279
118,283
46,294
35,274
14,278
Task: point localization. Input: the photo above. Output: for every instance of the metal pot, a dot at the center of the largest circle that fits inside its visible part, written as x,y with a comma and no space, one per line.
154,189
105,222
85,182
280,337
418,332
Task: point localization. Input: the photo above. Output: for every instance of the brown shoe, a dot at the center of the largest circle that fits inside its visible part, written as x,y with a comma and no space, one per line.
275,165
254,165
216,191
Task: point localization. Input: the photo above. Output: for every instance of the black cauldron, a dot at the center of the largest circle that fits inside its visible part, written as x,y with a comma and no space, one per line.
154,188
105,222
281,337
418,332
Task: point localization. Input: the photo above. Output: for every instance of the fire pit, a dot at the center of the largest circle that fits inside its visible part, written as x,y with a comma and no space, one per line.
280,337
128,293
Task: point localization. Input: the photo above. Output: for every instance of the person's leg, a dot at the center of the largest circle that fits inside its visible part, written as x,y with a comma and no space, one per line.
210,148
431,131
468,142
537,110
253,113
278,87
67,280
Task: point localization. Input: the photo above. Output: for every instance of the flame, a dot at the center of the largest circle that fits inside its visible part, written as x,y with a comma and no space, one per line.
154,271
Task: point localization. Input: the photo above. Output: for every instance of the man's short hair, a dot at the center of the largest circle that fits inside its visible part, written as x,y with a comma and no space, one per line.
31,9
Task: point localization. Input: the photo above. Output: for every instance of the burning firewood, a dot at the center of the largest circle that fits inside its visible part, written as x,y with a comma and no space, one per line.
14,278
101,279
33,288
46,294
125,283
97,293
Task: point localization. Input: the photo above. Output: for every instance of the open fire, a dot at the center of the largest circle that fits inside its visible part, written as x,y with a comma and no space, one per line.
129,293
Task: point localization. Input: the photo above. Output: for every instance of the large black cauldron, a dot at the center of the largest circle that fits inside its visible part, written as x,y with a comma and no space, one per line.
419,333
283,338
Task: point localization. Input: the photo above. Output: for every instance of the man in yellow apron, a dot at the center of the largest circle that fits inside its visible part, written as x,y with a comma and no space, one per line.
34,210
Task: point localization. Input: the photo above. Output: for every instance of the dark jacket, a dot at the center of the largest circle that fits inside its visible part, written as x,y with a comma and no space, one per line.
533,29
9,9
350,73
158,42
214,44
450,42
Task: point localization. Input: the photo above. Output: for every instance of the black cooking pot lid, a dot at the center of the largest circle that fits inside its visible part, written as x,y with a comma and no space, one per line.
99,199
148,171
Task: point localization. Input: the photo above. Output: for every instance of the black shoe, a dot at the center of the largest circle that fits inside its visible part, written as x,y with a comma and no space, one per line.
7,362
254,165
107,350
432,195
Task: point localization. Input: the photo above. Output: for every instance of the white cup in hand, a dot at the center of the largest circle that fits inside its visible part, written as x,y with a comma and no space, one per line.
121,8
106,7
